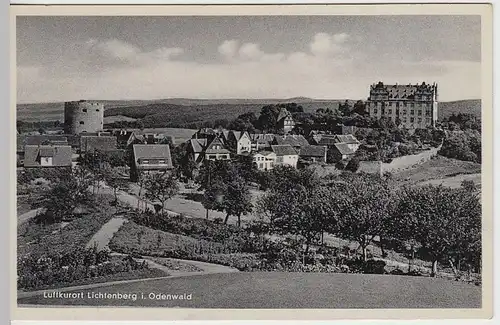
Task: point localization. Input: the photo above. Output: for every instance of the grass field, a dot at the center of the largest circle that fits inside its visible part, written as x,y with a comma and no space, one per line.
435,169
288,290
37,239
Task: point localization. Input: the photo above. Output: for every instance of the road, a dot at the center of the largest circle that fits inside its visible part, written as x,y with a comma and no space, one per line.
287,290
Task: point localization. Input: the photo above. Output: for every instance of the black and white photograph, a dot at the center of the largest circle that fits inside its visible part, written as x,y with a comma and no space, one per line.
228,161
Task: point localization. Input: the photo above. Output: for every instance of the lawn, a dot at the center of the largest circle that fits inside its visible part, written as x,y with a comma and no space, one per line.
438,168
288,290
39,239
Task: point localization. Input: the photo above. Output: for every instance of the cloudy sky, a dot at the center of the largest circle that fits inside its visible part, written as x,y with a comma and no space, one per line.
329,57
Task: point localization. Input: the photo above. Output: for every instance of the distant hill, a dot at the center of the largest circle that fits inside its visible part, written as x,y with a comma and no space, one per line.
471,106
185,110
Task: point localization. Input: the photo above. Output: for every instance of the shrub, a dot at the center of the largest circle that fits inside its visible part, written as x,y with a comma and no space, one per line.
57,268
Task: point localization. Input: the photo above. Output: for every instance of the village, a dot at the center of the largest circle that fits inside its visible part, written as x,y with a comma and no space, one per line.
283,198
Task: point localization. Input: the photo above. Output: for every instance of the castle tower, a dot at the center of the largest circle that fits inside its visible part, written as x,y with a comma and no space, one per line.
83,116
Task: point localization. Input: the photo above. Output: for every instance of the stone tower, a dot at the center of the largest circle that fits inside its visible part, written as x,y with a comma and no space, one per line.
83,117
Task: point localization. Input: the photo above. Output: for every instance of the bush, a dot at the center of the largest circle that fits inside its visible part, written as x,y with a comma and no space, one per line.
57,268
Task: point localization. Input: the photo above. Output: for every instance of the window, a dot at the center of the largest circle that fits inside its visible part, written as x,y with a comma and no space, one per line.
261,165
389,111
419,120
397,104
211,156
404,112
404,104
412,104
375,111
412,112
81,123
161,162
428,113
419,113
412,119
97,110
84,110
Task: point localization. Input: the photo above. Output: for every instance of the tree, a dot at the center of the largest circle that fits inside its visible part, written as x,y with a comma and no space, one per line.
364,204
160,187
267,121
443,220
299,207
61,200
359,108
225,189
116,182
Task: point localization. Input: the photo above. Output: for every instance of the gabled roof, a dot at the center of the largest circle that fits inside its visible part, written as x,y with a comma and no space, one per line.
329,139
283,150
284,113
60,154
153,151
101,143
198,145
312,151
35,140
346,138
293,140
344,149
212,147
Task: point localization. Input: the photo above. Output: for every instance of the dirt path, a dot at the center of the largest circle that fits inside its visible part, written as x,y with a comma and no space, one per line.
107,231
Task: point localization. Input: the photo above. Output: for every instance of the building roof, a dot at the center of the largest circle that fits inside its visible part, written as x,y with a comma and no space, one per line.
293,140
262,136
283,150
344,149
153,151
284,113
23,140
60,154
264,153
346,138
216,146
403,91
101,143
331,139
198,145
312,151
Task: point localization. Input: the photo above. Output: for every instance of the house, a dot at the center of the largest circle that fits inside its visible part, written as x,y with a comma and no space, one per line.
239,142
314,154
150,158
36,140
216,150
330,140
285,155
261,141
47,156
285,120
264,160
296,141
342,151
201,149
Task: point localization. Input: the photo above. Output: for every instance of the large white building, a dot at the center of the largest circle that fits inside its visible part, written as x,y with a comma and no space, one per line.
411,106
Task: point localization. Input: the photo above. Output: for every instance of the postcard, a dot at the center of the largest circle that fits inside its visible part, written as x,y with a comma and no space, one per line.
252,162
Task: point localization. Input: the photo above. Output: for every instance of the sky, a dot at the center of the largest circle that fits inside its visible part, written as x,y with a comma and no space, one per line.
324,57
